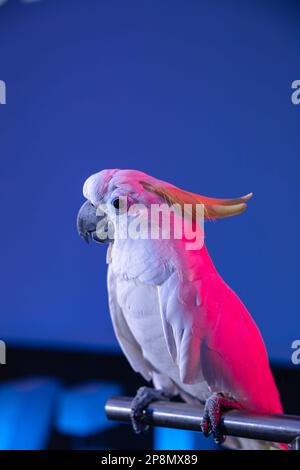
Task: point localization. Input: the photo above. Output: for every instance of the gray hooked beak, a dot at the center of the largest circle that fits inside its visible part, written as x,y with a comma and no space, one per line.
87,222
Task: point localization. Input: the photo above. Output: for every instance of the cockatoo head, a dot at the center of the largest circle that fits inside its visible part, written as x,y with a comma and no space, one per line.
111,193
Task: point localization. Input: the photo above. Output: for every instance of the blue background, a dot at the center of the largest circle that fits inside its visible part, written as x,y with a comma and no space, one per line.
193,92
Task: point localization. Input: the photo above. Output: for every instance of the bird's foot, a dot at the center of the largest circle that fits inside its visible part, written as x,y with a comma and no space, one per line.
143,398
212,415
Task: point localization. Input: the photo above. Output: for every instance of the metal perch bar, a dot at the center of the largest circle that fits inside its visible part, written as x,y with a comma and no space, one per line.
275,428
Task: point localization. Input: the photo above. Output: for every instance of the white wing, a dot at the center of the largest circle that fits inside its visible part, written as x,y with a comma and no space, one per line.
128,343
182,317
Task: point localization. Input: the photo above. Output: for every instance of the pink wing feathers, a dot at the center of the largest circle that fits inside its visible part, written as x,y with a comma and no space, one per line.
211,335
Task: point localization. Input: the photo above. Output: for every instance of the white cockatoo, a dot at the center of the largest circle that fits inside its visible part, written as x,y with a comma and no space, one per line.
177,321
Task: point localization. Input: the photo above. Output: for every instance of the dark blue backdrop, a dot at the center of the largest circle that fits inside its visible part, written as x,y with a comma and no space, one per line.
194,92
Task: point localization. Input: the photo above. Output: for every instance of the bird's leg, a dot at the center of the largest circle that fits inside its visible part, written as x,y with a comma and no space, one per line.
143,398
212,415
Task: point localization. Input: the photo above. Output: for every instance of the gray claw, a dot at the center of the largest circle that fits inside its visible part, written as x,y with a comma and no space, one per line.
143,398
212,415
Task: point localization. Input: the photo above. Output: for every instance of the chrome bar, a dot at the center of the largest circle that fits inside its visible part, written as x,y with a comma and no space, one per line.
275,428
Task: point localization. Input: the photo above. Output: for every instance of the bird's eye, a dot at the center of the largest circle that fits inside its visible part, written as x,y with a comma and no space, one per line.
119,204
116,203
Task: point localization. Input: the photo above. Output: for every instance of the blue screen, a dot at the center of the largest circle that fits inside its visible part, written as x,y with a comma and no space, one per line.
197,93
